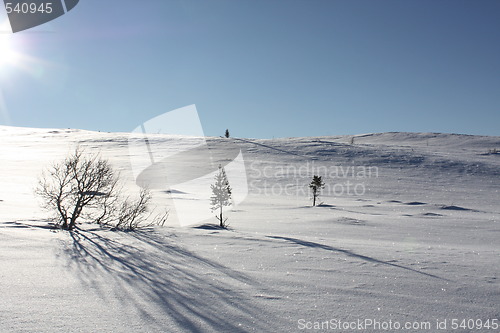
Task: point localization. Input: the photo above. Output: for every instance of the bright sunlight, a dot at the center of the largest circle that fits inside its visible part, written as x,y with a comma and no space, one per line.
8,56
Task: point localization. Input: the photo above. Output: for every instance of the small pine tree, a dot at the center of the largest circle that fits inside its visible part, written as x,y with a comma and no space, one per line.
227,133
221,195
316,185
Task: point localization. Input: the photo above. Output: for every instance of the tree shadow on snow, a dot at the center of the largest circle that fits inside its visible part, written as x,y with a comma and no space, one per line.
163,283
271,147
211,226
353,254
30,224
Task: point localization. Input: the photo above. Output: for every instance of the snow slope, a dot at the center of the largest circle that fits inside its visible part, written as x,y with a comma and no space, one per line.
407,232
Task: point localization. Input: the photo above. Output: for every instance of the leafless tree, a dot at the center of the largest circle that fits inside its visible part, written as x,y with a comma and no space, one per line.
133,213
85,187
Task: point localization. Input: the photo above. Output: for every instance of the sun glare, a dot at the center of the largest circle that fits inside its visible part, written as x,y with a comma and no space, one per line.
8,55
13,55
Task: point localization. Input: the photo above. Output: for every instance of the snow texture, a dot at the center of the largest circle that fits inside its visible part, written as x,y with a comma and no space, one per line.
408,231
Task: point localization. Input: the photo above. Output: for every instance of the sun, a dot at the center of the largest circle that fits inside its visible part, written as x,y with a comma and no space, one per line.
14,56
8,55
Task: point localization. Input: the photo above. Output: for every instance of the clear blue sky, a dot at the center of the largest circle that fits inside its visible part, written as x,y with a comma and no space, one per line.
262,68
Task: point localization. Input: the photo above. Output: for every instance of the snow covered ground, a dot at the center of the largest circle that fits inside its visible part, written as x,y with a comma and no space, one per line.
408,233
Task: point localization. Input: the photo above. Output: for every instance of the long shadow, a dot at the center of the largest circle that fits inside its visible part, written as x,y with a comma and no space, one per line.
271,147
165,283
30,224
332,143
352,254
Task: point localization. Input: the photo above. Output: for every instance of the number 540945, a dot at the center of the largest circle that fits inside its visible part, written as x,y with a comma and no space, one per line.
28,7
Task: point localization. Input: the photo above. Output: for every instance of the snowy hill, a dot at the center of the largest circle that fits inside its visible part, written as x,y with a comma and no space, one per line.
407,232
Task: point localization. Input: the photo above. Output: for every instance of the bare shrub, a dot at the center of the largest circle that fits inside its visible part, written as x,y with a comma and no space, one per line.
86,188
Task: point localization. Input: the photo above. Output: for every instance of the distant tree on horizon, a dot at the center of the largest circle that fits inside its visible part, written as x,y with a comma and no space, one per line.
316,185
221,195
227,133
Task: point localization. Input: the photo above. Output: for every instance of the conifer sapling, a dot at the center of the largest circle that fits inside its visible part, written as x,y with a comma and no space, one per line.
316,185
221,195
